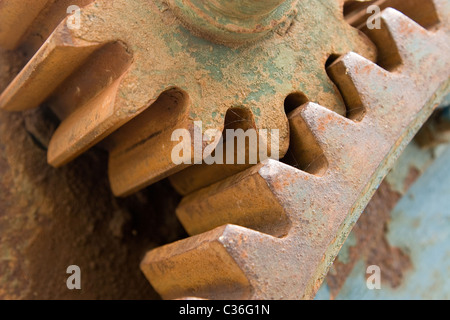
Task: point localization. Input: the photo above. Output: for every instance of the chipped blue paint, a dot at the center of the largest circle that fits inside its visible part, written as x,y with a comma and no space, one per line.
420,227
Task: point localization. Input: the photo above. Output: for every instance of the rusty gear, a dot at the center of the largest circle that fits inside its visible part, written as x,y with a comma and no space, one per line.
136,70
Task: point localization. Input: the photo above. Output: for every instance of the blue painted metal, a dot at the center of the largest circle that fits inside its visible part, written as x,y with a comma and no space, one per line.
420,226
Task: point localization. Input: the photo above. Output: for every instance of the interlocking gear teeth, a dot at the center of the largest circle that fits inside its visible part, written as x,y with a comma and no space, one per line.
159,56
321,209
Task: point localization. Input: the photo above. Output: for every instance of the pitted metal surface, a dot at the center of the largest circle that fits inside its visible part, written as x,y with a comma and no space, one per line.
319,209
345,101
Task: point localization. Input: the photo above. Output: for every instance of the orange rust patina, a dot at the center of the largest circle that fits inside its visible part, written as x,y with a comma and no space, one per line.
316,206
345,101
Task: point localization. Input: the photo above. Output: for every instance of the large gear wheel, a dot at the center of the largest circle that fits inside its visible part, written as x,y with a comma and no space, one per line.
345,98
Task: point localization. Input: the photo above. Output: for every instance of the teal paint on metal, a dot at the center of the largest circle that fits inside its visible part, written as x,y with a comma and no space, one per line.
420,226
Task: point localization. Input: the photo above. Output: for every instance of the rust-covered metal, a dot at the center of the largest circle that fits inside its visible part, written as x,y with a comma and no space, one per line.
345,101
314,211
128,57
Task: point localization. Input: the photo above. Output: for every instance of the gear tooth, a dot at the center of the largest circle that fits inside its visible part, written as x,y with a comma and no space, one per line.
86,108
204,266
287,225
398,36
256,203
140,152
401,27
15,18
442,8
306,152
38,79
321,210
210,171
77,133
78,102
357,78
326,127
321,120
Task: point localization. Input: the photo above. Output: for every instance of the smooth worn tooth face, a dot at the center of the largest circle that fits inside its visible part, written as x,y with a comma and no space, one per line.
16,17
